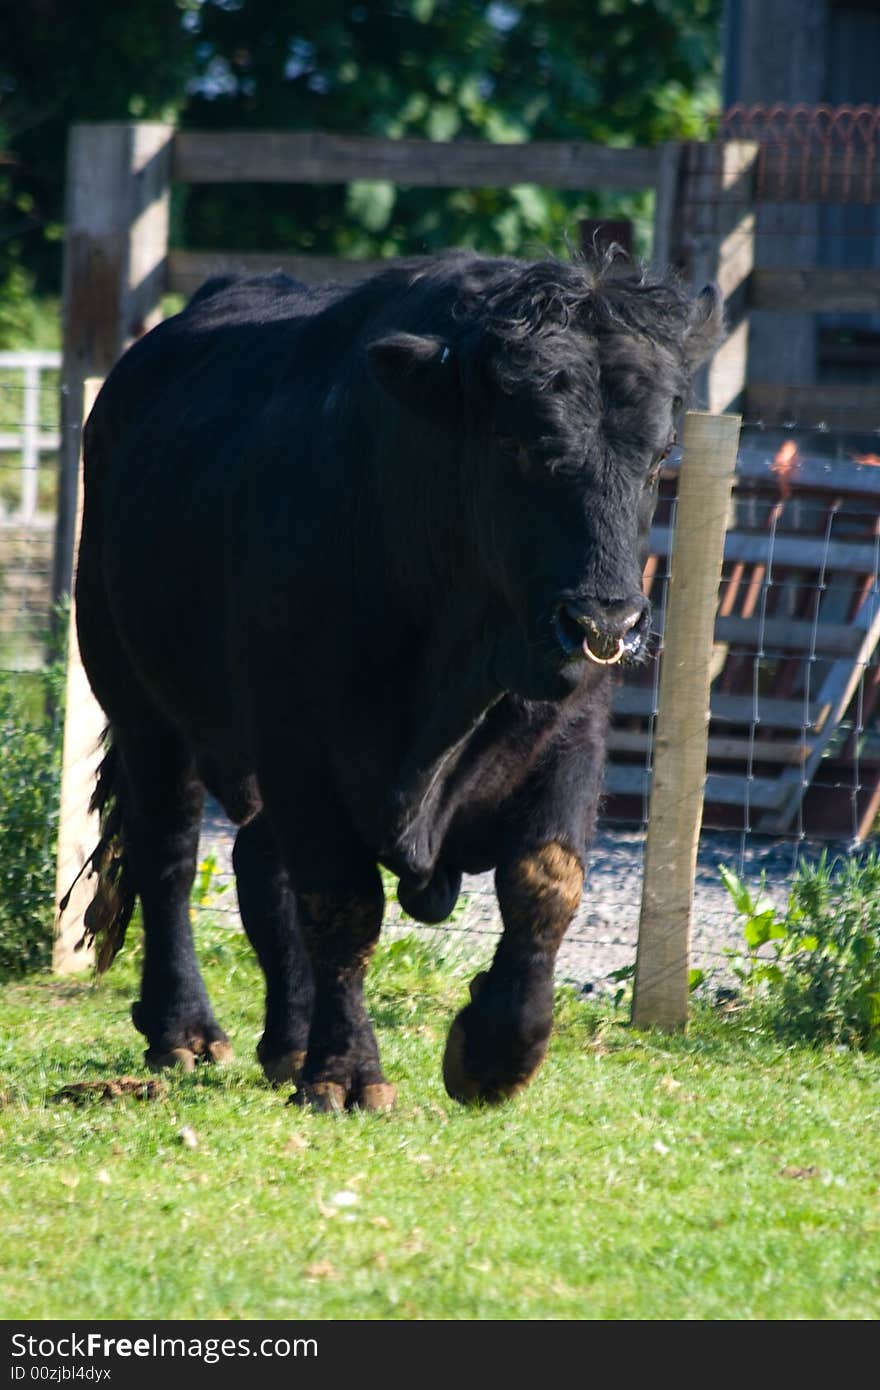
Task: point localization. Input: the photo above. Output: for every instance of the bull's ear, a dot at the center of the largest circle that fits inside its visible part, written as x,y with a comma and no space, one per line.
419,372
705,325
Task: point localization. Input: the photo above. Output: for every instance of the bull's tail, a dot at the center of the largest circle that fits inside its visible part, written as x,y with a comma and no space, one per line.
109,913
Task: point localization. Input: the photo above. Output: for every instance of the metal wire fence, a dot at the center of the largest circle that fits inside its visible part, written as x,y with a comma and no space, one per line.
794,735
29,442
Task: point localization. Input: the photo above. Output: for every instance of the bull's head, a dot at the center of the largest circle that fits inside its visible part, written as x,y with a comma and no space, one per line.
564,388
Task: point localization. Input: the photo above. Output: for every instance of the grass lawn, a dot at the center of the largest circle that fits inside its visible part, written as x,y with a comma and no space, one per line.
718,1175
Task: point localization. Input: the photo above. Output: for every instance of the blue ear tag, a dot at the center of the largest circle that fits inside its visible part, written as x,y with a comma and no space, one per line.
444,356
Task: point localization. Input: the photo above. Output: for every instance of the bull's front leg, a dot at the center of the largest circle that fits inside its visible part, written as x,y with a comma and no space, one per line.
497,1043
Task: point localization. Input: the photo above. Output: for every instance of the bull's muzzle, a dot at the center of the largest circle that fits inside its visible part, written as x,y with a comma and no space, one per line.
604,633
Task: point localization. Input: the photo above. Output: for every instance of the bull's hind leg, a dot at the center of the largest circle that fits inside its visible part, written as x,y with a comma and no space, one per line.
497,1043
339,909
340,927
163,799
268,914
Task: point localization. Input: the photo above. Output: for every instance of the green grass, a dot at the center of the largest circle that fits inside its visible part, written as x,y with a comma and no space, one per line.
717,1175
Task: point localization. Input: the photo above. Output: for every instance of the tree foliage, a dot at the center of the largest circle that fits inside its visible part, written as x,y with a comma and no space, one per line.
31,723
73,60
616,71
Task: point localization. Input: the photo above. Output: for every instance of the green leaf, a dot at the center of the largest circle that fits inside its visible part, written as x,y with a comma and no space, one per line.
760,929
371,201
626,972
444,121
768,973
738,890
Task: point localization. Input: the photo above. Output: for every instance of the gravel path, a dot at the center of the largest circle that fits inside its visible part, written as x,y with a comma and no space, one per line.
603,936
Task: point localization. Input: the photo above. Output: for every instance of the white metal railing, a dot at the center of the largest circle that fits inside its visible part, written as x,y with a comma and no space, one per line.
29,440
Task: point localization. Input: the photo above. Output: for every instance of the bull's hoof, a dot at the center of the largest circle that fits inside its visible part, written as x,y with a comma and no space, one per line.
477,1067
218,1052
381,1095
183,1046
181,1057
282,1069
331,1098
327,1097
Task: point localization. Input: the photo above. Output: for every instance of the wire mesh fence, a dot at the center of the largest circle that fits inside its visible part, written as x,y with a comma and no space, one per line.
787,203
29,440
794,738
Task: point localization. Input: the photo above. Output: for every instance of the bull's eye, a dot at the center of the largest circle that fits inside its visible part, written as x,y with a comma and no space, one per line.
677,402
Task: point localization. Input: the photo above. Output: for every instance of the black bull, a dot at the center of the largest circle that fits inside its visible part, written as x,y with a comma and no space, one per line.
362,563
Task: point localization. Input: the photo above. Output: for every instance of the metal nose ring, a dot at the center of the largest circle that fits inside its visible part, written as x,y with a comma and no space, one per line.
605,660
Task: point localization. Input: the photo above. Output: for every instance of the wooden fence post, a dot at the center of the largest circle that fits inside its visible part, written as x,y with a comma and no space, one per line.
78,829
715,225
660,996
115,255
667,206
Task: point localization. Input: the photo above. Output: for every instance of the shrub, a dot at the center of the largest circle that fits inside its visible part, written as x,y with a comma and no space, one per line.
822,974
31,727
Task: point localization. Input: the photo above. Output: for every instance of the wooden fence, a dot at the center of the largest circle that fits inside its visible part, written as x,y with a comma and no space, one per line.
29,443
792,747
769,736
707,200
118,262
23,390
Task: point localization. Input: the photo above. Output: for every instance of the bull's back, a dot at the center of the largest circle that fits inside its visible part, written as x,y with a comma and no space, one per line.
165,458
179,387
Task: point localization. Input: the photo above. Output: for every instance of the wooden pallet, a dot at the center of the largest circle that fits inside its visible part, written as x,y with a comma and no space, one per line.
793,739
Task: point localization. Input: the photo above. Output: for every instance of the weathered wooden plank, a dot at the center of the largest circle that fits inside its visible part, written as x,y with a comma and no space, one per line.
189,269
45,440
782,634
834,404
817,291
837,691
116,239
667,205
798,552
784,751
812,473
725,789
45,358
255,156
775,713
838,809
719,246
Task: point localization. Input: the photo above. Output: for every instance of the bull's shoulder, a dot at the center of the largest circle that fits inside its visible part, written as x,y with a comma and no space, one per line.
230,321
